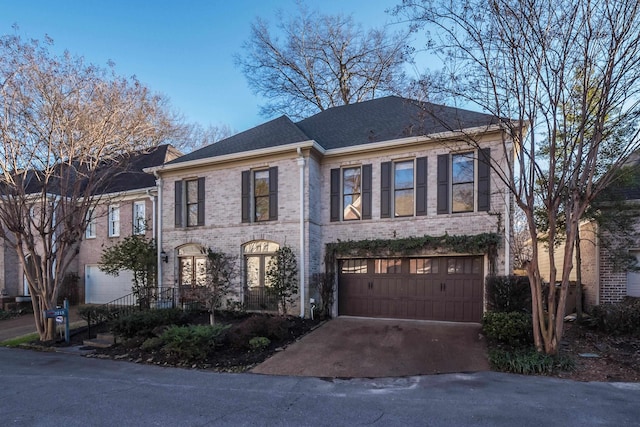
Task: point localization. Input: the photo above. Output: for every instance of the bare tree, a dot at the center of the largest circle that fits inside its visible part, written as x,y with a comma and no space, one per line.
66,128
197,136
322,61
565,78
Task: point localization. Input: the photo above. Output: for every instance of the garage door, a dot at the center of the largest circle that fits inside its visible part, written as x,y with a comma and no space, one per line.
443,288
101,288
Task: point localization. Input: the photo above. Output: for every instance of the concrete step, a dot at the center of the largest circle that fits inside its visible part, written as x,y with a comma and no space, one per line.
101,341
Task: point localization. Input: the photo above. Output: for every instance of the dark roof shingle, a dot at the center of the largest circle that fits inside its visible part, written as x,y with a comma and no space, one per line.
377,120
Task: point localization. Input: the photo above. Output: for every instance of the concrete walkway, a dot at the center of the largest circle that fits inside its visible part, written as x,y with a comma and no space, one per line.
25,324
372,348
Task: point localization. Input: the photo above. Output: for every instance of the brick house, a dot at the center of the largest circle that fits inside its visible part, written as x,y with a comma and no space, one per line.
389,169
606,277
128,207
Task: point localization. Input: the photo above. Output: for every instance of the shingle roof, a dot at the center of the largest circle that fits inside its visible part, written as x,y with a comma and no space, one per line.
280,131
381,119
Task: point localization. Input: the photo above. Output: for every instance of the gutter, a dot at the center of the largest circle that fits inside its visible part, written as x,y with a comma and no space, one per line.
158,230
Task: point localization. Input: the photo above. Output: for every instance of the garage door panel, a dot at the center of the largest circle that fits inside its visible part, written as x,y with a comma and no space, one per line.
101,288
445,288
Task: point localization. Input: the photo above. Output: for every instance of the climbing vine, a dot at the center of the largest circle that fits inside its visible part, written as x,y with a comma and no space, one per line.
475,244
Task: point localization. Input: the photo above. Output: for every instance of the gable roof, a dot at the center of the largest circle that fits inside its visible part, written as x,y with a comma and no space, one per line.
377,120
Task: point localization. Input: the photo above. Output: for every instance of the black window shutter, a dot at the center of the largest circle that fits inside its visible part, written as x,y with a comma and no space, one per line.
385,190
421,186
178,204
335,195
443,184
201,201
273,193
246,196
366,191
484,182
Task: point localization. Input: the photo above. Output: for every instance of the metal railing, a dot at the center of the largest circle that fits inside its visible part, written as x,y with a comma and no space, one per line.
260,299
152,299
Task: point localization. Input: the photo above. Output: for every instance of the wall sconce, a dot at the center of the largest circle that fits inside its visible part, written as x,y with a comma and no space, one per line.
164,257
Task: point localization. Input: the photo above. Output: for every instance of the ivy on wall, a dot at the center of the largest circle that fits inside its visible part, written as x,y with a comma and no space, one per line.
466,244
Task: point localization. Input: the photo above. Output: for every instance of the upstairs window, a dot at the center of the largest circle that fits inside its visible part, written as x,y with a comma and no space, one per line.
464,182
139,219
90,232
350,193
260,195
403,188
189,202
114,221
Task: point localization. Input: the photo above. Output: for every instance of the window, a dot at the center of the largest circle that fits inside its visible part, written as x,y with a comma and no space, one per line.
260,195
464,182
257,255
139,219
192,267
351,193
114,221
353,266
403,188
90,232
423,266
464,266
388,266
189,202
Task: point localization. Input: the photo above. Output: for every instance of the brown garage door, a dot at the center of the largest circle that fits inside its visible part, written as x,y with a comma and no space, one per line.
443,288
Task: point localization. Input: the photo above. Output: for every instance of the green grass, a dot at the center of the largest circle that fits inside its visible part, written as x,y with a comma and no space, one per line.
15,342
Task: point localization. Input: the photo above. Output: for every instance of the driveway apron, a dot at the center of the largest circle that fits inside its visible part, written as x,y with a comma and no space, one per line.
348,347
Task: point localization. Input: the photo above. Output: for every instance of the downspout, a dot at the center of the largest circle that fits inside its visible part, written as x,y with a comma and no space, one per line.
158,224
154,206
301,163
507,236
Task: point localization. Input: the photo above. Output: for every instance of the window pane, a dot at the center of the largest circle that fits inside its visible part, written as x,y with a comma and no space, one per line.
253,271
403,203
186,269
201,272
351,207
477,266
403,178
351,181
192,214
462,197
388,266
192,191
354,266
261,183
462,168
267,260
262,208
423,266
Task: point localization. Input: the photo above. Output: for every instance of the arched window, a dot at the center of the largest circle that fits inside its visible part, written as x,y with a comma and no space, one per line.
256,259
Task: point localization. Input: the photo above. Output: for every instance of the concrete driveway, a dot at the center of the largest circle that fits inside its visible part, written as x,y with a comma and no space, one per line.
348,347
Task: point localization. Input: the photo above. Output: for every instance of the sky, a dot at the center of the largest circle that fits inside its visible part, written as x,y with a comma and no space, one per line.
182,49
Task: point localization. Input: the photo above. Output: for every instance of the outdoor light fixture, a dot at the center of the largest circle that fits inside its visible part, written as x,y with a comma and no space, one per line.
164,257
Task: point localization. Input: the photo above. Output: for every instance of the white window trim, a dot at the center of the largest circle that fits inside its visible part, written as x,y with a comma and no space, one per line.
139,217
114,221
393,187
474,154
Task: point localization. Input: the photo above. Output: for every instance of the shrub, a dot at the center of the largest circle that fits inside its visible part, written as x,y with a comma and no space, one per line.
5,315
191,343
152,343
619,319
508,293
142,323
528,361
258,343
513,329
274,328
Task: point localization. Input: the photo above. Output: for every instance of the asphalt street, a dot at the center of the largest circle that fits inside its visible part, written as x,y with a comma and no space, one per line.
53,389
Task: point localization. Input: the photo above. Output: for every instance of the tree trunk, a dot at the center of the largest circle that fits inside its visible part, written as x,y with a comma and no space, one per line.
578,278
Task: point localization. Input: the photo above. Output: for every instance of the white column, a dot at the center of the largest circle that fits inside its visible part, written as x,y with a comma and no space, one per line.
301,163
